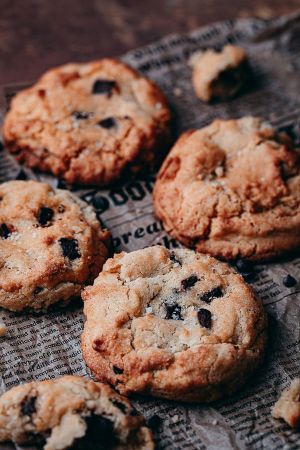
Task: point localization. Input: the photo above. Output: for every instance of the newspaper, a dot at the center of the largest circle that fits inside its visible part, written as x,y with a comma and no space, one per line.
48,345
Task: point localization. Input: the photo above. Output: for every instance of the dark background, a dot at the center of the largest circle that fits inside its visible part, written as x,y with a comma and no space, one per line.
37,34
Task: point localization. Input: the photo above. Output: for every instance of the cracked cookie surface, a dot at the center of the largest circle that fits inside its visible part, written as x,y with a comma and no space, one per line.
89,123
287,406
71,413
173,324
51,245
219,75
232,189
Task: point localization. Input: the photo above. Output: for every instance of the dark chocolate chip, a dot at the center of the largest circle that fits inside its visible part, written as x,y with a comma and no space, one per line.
61,185
244,266
121,406
28,406
289,281
117,370
45,215
189,282
4,231
80,115
37,290
1,146
173,311
174,259
103,86
36,439
107,123
210,295
99,434
22,175
70,248
204,317
154,422
100,202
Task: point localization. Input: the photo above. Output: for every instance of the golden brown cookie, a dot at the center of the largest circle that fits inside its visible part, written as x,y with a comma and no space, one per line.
173,324
219,75
71,412
232,189
89,123
51,245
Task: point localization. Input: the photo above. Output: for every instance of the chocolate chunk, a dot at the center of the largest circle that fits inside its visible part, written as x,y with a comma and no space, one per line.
289,281
28,406
37,290
80,115
204,317
45,215
189,282
100,202
36,439
98,436
70,248
117,370
173,311
121,406
22,175
103,86
244,266
210,295
154,422
4,231
107,123
174,259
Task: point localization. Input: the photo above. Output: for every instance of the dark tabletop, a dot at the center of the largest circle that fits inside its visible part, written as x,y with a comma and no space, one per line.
37,34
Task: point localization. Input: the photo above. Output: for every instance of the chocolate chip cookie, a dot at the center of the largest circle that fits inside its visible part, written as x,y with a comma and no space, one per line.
51,245
288,405
89,123
219,75
173,324
232,189
71,412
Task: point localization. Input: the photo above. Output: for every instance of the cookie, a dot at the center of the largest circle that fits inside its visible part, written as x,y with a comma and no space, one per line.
89,123
219,75
51,245
172,324
288,405
71,413
232,189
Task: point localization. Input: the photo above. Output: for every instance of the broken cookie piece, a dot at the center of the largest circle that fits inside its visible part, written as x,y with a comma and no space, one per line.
219,75
71,412
287,406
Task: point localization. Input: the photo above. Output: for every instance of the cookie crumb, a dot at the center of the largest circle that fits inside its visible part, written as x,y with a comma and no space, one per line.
177,92
3,329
